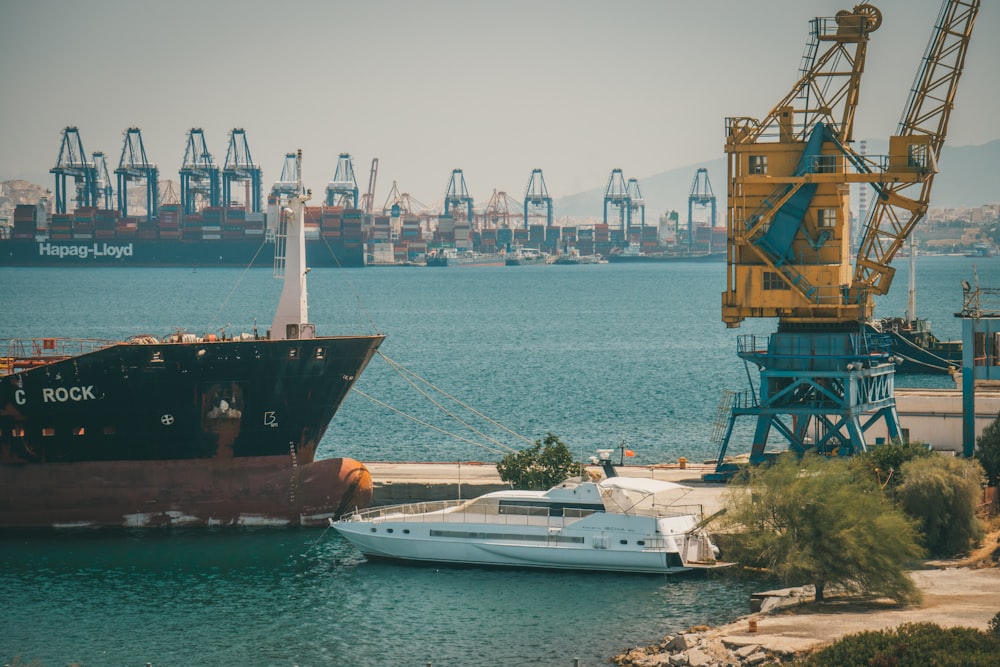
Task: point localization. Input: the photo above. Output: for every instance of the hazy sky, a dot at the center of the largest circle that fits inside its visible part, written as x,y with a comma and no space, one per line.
576,87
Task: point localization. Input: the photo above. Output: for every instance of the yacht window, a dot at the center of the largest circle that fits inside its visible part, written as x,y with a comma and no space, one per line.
48,431
641,543
622,541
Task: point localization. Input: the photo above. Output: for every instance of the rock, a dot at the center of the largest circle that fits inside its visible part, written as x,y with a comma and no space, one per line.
678,643
755,658
698,658
678,660
744,651
659,660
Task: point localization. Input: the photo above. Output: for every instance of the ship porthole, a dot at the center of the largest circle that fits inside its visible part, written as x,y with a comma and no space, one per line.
372,529
388,530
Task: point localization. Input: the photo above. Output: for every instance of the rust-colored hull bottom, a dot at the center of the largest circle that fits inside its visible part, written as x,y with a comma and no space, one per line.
247,491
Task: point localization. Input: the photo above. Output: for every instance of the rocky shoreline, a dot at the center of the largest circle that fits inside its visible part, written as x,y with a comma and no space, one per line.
787,624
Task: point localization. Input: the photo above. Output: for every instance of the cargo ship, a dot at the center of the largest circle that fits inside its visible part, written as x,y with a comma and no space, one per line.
182,430
215,236
450,257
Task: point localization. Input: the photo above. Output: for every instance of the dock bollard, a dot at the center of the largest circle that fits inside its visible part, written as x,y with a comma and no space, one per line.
683,463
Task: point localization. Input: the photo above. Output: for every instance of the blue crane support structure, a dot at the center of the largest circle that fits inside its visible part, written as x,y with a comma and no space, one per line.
240,167
635,201
458,194
343,189
200,178
536,195
701,196
103,179
72,162
133,166
616,194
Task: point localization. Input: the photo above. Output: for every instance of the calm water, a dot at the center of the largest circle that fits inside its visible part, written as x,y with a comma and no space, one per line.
595,354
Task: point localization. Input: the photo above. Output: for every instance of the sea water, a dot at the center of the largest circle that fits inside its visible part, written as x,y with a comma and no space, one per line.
600,355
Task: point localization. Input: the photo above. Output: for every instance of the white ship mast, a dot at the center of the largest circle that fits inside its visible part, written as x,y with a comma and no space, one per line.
291,319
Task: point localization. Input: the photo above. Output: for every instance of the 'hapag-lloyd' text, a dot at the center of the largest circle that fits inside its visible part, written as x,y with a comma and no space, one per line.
92,251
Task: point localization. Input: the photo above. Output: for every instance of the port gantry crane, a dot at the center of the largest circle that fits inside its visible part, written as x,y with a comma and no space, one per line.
458,194
133,166
343,189
102,179
536,195
368,198
199,175
616,194
788,229
72,162
240,167
702,196
636,201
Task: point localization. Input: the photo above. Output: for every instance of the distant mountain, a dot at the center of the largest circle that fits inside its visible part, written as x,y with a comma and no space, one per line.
969,176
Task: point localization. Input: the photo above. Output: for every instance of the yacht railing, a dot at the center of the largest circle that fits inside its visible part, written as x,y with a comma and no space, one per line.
467,511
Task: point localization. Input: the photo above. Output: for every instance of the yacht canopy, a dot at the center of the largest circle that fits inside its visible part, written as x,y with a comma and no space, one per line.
627,494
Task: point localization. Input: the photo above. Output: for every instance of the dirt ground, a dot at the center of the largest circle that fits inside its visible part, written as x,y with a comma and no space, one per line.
960,593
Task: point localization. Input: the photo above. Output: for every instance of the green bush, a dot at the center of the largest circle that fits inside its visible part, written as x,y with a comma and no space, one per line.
886,460
988,452
541,466
910,645
941,493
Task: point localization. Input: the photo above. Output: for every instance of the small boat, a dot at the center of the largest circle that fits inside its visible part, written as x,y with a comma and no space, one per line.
525,256
451,257
911,340
617,524
574,257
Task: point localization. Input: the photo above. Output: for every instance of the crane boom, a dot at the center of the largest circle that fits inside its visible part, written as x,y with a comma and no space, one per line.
920,137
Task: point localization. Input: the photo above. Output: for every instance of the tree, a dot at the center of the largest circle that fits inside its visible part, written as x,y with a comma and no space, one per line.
988,452
824,522
941,493
541,466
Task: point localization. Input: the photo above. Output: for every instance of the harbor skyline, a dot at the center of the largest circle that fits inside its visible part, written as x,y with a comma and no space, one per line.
575,89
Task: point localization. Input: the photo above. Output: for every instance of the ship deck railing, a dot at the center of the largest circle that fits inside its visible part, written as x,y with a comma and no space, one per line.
21,354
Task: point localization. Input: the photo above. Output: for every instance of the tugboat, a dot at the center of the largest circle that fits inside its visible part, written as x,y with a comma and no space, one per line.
184,430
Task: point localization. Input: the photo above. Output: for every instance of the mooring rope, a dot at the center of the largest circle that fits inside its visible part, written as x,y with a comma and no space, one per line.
406,374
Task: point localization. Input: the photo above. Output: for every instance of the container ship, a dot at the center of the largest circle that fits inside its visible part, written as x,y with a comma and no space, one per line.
216,236
182,430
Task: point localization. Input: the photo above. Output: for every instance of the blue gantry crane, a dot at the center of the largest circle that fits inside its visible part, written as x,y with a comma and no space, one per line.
199,174
343,189
458,194
635,201
105,191
133,166
616,194
701,196
72,162
240,167
536,195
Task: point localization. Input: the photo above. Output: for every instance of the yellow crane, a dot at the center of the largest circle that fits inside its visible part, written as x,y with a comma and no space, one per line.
789,232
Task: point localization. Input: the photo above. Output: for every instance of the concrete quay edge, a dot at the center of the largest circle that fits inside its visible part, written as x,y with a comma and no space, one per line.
410,482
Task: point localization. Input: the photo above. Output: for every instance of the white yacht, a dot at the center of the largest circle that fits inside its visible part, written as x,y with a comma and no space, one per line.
617,524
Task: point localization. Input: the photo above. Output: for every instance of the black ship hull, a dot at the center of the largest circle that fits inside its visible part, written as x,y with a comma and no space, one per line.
200,432
208,253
